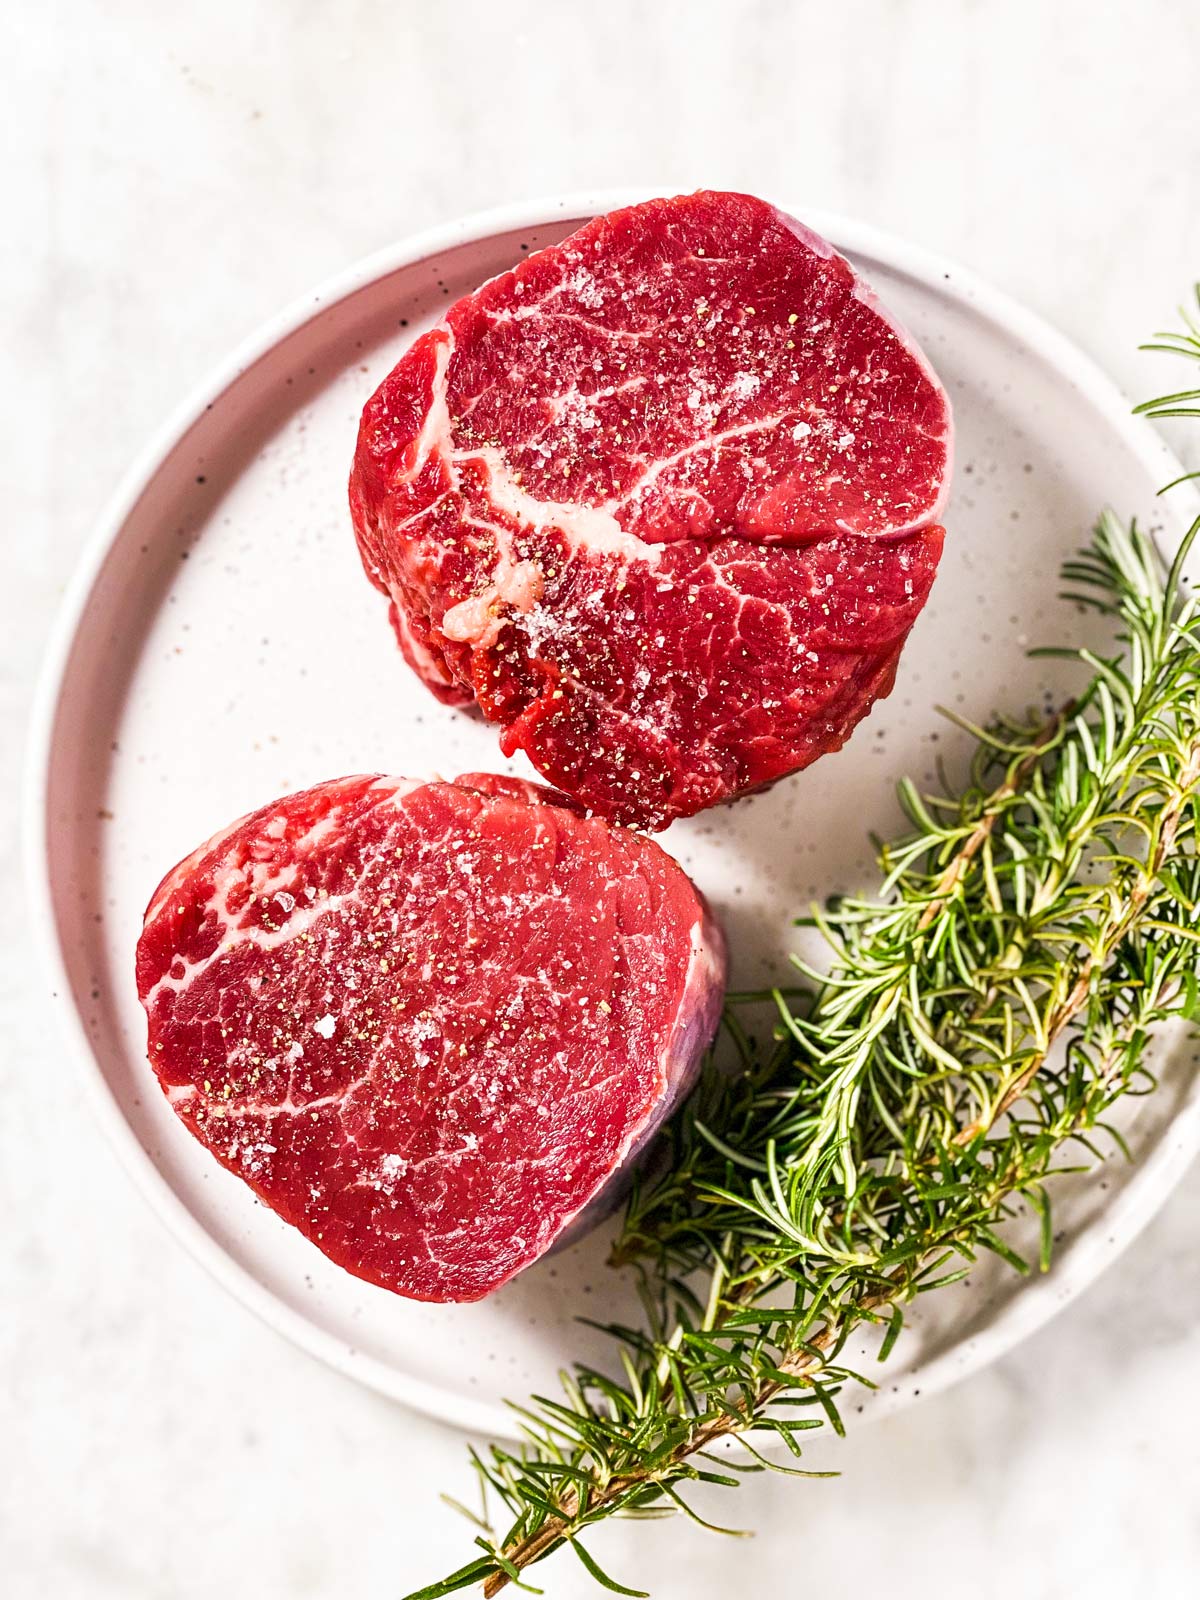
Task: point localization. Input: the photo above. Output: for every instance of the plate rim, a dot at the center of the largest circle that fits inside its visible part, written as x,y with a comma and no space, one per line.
1156,1176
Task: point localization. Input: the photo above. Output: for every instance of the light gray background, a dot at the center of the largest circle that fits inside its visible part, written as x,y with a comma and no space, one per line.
169,182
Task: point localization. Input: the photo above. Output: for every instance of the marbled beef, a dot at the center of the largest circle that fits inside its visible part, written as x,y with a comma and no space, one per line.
662,500
430,1024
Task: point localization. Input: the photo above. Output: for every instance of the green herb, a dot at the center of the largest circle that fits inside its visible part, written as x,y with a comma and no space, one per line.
980,1017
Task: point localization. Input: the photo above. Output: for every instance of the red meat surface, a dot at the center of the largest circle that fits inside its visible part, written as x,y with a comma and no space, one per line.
431,1025
662,500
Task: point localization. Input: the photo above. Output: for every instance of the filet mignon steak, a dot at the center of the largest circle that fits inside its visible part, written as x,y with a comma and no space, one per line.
430,1024
663,500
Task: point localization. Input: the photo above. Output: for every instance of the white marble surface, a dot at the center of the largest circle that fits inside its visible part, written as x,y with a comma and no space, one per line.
169,184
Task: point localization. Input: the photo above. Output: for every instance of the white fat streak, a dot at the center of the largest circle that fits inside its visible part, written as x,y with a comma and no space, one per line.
591,529
437,433
298,923
178,876
264,884
476,620
710,442
251,1107
516,582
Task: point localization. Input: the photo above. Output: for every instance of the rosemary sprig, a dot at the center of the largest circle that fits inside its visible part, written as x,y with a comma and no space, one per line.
980,1017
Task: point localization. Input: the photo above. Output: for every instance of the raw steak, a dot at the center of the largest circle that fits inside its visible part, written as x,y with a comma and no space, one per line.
662,500
431,1025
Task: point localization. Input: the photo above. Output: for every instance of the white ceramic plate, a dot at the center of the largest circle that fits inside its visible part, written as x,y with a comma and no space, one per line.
221,646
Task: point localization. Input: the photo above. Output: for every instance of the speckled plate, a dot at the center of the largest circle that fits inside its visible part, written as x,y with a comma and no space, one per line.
220,646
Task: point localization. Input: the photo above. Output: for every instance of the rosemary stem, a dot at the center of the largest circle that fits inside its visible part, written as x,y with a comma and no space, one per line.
1043,741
